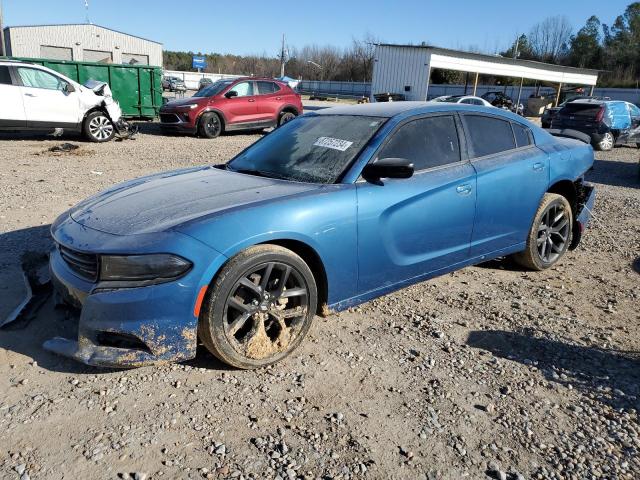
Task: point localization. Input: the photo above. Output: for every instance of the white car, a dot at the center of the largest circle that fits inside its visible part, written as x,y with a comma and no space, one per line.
34,97
468,99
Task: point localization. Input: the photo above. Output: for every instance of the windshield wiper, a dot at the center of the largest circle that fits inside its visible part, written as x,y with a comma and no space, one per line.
257,173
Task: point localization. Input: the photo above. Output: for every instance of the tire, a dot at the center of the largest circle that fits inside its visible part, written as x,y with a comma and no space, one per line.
606,143
210,125
285,117
98,127
550,234
249,325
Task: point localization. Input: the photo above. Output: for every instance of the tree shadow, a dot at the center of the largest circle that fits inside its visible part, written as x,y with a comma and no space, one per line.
155,128
610,376
37,135
615,173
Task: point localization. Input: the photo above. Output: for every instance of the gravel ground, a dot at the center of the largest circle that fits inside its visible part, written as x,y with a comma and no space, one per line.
489,372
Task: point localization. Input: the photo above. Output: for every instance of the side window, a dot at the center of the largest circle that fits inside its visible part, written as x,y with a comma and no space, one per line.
489,135
5,77
427,142
32,77
468,101
523,138
633,110
244,89
477,102
265,88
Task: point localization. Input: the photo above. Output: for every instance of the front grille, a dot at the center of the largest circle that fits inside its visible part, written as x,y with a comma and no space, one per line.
169,118
85,265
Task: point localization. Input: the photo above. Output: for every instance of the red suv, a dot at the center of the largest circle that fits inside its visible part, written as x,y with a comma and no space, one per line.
238,104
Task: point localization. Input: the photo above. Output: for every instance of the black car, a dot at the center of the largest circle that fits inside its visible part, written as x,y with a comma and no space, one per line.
607,122
502,100
550,112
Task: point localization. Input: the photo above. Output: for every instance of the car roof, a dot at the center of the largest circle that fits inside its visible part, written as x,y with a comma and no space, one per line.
392,109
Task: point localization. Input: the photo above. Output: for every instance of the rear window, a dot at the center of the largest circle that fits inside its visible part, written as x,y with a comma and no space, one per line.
581,109
489,135
5,78
523,137
265,88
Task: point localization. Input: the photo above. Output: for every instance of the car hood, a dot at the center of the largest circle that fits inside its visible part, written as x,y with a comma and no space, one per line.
185,101
160,202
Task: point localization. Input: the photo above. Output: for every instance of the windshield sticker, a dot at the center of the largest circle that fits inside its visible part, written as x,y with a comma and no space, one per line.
334,143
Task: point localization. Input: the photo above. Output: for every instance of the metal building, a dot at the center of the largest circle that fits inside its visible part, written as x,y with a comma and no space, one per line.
406,69
81,42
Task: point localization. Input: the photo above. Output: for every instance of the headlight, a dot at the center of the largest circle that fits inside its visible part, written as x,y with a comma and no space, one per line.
142,269
190,106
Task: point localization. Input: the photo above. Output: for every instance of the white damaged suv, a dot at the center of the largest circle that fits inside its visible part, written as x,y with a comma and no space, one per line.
33,97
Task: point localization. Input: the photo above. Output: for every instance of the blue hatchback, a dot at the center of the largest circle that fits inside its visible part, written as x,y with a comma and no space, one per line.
332,209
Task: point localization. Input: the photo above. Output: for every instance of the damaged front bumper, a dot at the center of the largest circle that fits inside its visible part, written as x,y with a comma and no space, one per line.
130,327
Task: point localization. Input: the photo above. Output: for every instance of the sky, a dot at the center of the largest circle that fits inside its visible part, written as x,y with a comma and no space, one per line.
256,27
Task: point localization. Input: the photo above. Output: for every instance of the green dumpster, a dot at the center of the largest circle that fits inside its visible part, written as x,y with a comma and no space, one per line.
137,88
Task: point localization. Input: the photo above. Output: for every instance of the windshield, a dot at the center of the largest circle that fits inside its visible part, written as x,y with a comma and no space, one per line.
313,149
213,89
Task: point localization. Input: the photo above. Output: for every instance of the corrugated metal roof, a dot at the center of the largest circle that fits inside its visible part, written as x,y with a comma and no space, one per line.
80,25
495,58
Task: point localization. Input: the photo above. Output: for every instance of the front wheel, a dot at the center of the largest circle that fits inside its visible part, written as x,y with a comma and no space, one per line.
210,125
260,307
98,127
550,234
606,142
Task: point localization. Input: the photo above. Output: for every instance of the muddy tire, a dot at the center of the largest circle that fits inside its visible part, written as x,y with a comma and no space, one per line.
285,117
550,234
606,143
98,127
210,125
259,307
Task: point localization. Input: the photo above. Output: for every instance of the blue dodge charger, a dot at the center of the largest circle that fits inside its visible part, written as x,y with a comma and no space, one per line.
328,211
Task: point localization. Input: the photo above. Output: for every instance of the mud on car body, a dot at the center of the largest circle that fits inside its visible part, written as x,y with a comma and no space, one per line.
334,208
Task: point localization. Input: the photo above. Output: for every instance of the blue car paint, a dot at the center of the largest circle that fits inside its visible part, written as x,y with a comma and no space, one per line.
208,215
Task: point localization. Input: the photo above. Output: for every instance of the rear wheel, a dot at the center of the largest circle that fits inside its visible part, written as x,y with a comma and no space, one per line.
98,127
550,234
606,143
260,307
210,125
285,117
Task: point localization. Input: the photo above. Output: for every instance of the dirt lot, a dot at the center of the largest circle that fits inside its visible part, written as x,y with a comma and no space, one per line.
490,372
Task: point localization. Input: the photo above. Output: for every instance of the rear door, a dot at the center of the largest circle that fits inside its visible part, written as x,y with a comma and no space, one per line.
269,99
242,108
12,110
410,227
512,176
46,103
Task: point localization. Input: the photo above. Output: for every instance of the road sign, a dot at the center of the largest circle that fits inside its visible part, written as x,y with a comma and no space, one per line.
199,62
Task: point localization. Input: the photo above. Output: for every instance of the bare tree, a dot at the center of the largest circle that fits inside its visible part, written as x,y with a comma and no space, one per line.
549,39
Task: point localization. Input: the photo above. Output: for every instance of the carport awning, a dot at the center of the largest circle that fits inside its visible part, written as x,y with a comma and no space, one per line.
504,66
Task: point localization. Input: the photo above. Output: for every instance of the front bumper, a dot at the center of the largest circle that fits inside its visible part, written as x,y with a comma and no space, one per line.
177,121
131,327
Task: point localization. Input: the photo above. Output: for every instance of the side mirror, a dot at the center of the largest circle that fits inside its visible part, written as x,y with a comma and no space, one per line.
388,168
231,94
68,88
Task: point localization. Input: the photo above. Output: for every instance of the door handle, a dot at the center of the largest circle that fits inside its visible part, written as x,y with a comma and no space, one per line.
278,98
252,100
538,166
464,189
30,95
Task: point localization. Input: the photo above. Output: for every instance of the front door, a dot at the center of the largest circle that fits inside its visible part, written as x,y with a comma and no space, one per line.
12,111
408,228
46,103
243,107
512,177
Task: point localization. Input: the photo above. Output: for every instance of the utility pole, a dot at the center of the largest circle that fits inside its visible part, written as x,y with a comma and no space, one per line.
2,50
516,53
86,6
283,59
